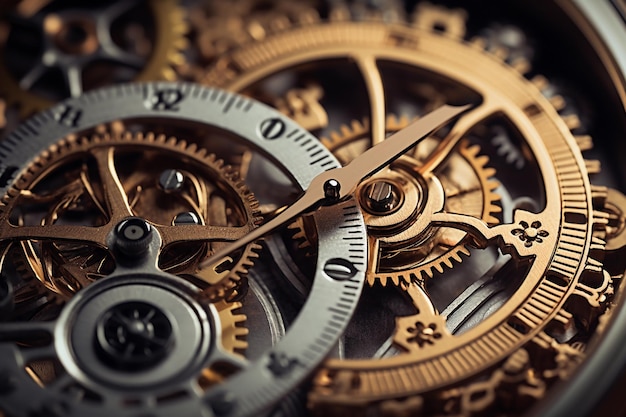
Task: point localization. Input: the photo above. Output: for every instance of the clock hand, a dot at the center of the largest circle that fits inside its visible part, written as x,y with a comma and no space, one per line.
336,184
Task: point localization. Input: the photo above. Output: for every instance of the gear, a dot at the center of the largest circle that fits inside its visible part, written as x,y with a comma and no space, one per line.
59,188
126,41
434,49
233,332
220,27
469,189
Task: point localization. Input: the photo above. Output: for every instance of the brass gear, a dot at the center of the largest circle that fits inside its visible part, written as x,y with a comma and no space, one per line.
469,187
233,331
76,41
431,358
60,190
219,27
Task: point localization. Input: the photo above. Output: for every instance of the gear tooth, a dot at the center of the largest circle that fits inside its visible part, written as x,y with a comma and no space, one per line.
472,150
495,198
540,82
482,160
593,166
171,141
492,221
150,137
403,122
180,144
456,257
168,74
345,130
558,102
395,279
585,142
308,17
521,65
339,14
428,273
478,43
493,185
599,193
464,250
500,53
391,121
371,280
489,172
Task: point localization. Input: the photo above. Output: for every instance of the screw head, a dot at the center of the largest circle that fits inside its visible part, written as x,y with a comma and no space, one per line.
332,189
186,218
381,197
133,236
133,336
171,180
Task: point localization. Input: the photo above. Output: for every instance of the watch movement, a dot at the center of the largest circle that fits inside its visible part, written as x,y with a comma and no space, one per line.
324,207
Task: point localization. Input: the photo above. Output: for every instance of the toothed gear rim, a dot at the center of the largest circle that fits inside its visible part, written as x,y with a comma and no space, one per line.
435,43
439,257
215,181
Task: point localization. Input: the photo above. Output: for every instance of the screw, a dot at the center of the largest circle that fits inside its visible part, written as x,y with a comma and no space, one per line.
332,189
381,196
133,336
186,218
133,236
171,180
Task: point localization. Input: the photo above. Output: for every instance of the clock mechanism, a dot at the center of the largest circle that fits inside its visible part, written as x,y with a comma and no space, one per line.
213,219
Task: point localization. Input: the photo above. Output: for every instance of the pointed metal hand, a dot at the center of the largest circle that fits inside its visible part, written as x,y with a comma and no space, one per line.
337,184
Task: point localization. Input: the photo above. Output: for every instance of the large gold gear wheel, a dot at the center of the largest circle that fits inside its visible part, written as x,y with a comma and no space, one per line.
437,370
469,189
62,208
129,41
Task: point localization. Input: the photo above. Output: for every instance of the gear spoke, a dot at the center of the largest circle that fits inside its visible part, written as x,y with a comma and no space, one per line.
375,89
32,76
115,197
505,235
74,79
189,233
465,123
55,233
111,52
32,354
25,330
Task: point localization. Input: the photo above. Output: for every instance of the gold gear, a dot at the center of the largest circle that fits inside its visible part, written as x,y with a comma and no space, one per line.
469,187
435,42
233,331
165,51
59,189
